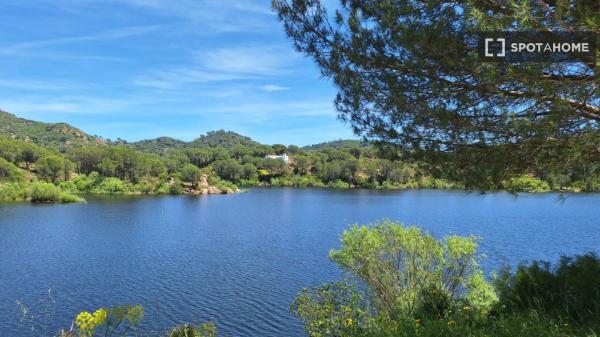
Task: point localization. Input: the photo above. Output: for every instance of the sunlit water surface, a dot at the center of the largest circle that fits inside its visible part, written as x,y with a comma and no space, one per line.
239,260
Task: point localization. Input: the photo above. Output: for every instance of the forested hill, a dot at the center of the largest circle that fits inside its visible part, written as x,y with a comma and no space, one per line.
222,138
56,135
338,144
62,136
213,139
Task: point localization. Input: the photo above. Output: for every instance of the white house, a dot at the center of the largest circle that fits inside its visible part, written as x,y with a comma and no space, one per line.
283,157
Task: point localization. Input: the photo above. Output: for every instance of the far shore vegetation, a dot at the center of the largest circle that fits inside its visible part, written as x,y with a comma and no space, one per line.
35,166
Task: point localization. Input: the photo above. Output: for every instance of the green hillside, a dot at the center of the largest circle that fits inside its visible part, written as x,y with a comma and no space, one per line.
213,139
222,138
337,144
160,145
56,135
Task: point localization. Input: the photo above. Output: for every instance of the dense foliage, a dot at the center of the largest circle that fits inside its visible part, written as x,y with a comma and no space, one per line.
225,160
408,74
568,290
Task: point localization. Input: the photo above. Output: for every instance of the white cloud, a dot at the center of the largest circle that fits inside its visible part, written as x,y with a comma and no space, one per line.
273,87
67,104
224,64
265,60
24,107
32,85
256,113
105,35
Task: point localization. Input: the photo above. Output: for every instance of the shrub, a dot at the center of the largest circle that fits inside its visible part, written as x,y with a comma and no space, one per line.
46,192
14,192
571,289
223,185
111,186
9,171
206,330
339,184
402,264
526,183
86,183
404,274
36,192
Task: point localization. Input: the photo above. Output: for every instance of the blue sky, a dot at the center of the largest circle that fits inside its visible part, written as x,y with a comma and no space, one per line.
139,69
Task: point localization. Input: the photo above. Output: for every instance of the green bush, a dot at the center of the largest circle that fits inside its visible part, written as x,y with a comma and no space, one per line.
404,273
36,192
86,183
14,192
9,171
111,186
46,192
413,285
571,289
221,184
249,182
206,330
526,183
339,184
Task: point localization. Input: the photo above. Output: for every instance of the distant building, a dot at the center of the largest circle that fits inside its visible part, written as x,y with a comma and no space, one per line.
283,157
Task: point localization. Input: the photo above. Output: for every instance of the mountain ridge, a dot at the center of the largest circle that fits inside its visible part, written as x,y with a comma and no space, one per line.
62,136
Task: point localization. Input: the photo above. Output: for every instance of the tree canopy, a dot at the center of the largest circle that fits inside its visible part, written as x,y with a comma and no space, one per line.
408,74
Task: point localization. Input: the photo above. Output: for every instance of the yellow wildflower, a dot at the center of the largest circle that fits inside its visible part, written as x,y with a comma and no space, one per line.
467,308
349,321
100,316
451,322
85,322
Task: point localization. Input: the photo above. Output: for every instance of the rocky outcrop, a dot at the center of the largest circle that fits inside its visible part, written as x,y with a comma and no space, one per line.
203,188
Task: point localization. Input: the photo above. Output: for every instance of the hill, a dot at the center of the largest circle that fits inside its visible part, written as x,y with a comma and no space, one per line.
222,138
158,145
56,135
212,139
338,144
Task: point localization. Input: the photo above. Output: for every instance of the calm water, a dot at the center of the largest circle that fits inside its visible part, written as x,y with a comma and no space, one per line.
239,260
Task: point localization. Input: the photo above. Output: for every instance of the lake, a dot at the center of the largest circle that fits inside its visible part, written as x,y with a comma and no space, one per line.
239,260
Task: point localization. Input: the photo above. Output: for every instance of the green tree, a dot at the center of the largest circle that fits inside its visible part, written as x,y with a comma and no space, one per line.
348,170
407,74
28,155
402,265
88,159
228,169
293,149
302,164
274,166
279,149
355,151
51,167
191,173
331,171
397,274
249,172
